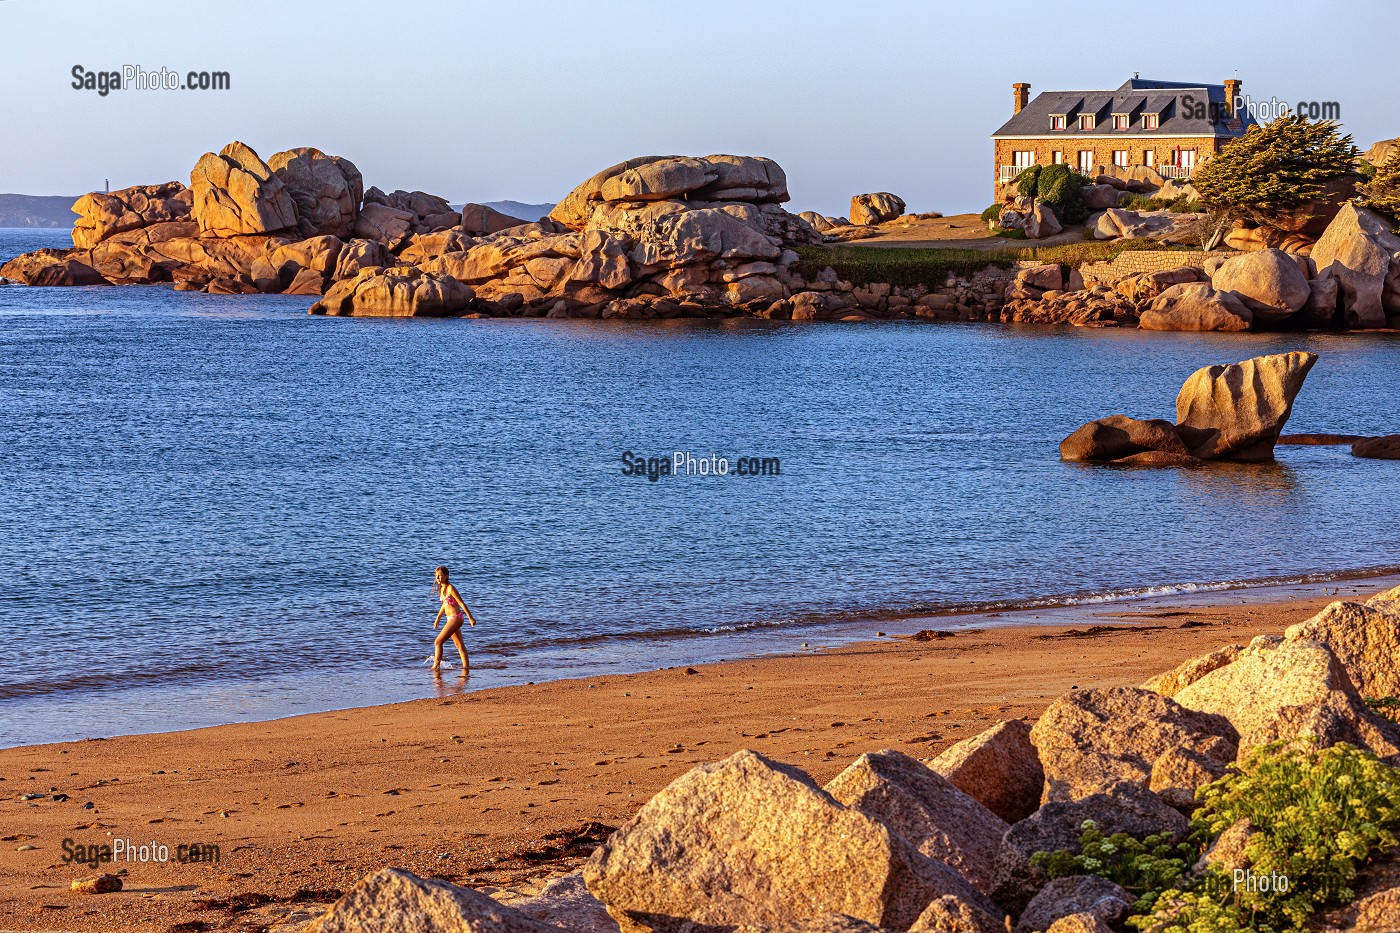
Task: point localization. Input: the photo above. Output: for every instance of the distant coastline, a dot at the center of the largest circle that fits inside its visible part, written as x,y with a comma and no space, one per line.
36,210
56,210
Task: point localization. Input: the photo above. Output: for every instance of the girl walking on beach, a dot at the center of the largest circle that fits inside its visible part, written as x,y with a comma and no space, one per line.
456,611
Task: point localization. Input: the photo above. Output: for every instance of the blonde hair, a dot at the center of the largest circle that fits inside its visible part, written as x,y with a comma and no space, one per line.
443,571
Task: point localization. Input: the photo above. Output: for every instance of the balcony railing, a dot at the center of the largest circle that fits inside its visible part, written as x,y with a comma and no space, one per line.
1174,172
1009,172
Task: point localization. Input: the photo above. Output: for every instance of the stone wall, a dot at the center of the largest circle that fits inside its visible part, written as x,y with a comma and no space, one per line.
1133,262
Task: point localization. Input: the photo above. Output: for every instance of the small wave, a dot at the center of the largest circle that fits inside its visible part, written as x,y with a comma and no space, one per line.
102,681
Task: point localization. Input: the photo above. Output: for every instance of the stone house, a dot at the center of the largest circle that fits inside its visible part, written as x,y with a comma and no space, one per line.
1168,126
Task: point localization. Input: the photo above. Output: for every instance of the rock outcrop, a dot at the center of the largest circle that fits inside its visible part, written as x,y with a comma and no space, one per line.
236,193
326,189
748,841
1196,306
925,808
1291,691
1236,412
1041,222
1268,282
396,292
876,207
1076,894
1091,740
1369,448
949,914
564,902
1360,251
480,220
1233,412
394,899
101,215
999,767
1364,638
52,267
1119,436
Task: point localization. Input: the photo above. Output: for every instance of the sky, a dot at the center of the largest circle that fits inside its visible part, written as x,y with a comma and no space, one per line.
480,101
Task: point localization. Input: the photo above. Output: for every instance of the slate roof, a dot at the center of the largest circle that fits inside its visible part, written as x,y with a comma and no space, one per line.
1176,117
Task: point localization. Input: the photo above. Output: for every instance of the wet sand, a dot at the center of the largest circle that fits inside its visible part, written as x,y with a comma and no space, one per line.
504,785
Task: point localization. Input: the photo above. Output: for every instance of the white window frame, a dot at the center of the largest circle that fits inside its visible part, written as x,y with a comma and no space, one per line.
1057,157
1086,161
1087,121
1150,121
1149,158
1120,158
1121,121
1023,158
1057,121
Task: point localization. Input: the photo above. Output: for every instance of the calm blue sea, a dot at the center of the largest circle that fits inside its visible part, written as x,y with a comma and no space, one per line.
217,508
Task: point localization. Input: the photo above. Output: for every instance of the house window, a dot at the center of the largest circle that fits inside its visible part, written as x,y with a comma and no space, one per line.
1149,158
1023,158
1057,158
1057,122
1186,158
1086,161
1120,121
1149,121
1086,121
1120,158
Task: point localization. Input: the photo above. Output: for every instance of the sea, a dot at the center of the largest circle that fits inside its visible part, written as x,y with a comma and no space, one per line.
219,508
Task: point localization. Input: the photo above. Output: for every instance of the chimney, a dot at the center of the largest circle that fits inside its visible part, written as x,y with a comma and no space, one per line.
1232,90
1021,94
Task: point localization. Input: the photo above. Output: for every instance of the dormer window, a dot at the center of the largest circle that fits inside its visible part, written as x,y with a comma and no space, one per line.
1057,121
1149,121
1086,121
1120,121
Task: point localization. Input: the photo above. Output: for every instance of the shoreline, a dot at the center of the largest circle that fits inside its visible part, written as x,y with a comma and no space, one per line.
279,697
506,785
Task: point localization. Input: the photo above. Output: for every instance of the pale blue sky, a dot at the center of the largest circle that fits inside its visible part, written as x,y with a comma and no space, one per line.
522,100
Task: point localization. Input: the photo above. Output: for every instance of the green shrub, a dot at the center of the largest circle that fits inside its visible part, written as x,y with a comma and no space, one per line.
1382,191
1060,188
1389,707
991,213
1316,816
1144,867
1179,205
1141,202
1028,180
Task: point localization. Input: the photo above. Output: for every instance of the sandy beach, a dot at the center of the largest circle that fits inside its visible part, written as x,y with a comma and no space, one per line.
504,786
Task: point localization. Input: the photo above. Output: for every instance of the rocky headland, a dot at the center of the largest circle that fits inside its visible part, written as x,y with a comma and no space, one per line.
677,236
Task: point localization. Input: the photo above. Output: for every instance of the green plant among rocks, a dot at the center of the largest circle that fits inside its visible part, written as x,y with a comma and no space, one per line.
1389,707
1314,818
1180,205
1381,192
1059,188
1143,867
